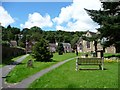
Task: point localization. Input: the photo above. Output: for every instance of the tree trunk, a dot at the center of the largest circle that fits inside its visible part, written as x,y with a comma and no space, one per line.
95,44
117,47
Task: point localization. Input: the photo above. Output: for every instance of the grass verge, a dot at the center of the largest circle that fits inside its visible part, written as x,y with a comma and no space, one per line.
65,76
21,71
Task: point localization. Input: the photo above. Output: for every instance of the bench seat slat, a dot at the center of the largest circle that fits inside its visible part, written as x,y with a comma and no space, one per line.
90,64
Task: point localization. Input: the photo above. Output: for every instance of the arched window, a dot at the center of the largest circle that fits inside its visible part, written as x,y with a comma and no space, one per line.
80,46
88,44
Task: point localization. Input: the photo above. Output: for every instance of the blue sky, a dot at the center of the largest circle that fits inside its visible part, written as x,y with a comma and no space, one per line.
68,16
20,10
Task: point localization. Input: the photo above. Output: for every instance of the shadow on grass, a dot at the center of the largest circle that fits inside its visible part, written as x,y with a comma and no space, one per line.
46,61
5,76
54,60
8,61
16,63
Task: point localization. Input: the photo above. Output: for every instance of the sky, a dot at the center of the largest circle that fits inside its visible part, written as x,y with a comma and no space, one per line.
67,16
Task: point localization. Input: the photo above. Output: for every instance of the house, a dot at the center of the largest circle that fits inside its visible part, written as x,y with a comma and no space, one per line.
13,43
29,46
67,47
53,47
88,46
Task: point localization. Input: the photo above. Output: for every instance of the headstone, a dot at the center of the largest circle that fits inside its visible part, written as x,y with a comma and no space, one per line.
30,63
99,53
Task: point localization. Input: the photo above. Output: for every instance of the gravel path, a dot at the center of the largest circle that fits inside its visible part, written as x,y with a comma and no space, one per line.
26,82
6,69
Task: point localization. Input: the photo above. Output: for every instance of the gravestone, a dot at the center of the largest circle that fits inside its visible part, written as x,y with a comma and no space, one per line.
99,53
30,63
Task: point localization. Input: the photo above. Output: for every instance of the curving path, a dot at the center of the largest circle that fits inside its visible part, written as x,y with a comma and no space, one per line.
6,69
26,82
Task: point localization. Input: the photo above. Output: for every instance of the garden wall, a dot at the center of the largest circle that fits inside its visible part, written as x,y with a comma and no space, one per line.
8,52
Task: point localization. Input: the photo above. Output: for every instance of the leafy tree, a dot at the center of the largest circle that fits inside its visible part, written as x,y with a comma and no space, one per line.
16,38
36,29
41,51
21,44
50,36
74,41
109,20
60,48
4,34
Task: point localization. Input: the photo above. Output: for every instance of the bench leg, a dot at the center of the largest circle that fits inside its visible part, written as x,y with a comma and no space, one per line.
76,66
100,67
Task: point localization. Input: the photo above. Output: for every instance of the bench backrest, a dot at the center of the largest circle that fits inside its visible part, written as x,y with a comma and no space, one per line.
89,60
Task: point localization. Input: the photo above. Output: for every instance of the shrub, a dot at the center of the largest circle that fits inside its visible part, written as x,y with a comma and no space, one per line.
41,51
112,55
60,48
5,43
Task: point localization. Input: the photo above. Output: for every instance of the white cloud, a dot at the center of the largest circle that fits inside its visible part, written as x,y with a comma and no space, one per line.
75,16
5,18
36,19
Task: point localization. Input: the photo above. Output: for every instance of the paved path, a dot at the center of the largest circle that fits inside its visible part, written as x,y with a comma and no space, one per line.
6,69
26,82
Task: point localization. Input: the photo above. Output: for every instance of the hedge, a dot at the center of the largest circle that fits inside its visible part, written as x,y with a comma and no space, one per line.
112,55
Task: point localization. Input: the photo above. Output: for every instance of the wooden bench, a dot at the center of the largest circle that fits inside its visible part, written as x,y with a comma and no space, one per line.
90,61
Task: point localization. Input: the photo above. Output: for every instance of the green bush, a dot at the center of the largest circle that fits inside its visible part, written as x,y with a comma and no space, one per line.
112,55
41,51
60,48
21,44
5,43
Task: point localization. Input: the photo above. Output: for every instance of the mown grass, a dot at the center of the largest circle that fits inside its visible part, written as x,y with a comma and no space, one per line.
21,71
65,76
9,60
1,65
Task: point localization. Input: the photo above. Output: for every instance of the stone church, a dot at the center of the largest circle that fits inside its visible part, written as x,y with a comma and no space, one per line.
87,46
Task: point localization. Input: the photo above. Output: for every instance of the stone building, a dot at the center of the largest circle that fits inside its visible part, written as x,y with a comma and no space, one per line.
53,47
67,47
13,43
87,46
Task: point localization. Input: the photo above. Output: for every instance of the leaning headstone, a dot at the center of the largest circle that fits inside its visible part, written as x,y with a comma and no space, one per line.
30,63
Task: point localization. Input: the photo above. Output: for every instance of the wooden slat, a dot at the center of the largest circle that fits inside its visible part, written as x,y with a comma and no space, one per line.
90,61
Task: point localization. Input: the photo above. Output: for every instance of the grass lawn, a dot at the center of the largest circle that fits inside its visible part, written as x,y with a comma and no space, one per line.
65,76
9,60
1,65
21,71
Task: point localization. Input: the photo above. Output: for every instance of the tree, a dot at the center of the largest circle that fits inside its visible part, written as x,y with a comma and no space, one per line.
60,48
50,37
36,29
74,41
41,51
109,20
